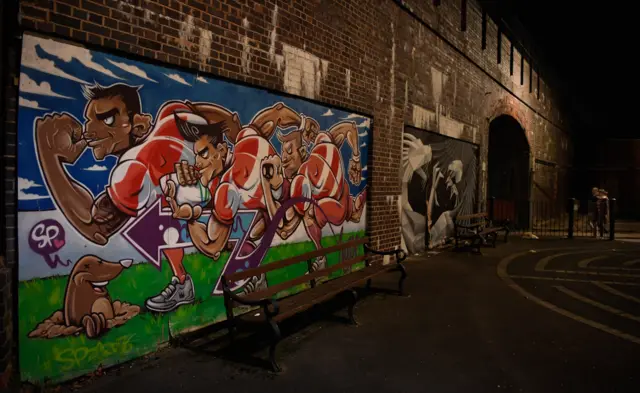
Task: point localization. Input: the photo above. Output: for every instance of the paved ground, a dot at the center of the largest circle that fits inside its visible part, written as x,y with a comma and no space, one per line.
529,316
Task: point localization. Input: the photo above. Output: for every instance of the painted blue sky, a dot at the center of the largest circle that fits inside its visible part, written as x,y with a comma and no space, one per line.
51,80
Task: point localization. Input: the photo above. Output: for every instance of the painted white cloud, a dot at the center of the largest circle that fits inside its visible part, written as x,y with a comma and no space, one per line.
25,196
355,116
365,123
25,184
178,79
28,85
30,104
364,168
363,133
132,70
363,145
64,52
328,113
30,59
202,79
96,168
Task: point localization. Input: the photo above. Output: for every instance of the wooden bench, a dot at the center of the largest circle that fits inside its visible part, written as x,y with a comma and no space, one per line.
479,229
275,310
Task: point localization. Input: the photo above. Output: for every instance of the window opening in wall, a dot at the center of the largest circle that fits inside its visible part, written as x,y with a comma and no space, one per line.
499,44
463,15
484,30
511,60
530,77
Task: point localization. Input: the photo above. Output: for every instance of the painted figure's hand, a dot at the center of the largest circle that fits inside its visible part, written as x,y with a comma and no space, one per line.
187,174
355,170
310,130
60,135
184,211
437,174
271,171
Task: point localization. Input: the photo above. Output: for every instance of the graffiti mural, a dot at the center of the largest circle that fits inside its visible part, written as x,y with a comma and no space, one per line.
140,185
438,183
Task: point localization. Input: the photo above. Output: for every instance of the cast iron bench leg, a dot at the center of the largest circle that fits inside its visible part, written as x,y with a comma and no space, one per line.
230,320
272,349
403,276
354,300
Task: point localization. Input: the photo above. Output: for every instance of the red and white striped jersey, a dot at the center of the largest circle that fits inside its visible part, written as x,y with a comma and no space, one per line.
240,186
135,181
321,175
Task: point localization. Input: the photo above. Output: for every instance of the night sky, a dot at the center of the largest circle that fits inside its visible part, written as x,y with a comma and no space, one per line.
590,47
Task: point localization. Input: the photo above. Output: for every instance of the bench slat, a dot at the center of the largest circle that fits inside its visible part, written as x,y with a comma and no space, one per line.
304,300
233,277
272,290
472,216
491,230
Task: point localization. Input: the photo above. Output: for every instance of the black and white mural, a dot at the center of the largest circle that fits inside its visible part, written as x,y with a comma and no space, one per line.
438,183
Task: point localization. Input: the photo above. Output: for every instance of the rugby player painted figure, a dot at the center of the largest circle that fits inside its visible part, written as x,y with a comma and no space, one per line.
115,125
318,175
233,181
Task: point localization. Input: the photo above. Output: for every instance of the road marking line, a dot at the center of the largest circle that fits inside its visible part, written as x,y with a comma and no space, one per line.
592,273
602,285
633,284
541,266
502,273
585,262
622,269
632,262
594,303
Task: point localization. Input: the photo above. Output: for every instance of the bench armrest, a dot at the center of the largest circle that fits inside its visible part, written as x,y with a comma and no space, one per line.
400,254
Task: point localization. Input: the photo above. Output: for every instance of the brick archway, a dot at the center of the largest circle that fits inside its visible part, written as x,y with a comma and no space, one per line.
505,107
509,169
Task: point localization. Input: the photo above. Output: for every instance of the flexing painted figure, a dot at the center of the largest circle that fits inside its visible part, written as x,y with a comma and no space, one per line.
240,186
115,125
319,176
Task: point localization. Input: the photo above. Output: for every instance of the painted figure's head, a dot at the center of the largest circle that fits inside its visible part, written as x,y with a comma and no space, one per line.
454,175
294,152
115,122
209,146
595,191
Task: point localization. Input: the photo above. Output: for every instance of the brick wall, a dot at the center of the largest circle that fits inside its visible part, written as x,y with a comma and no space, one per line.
8,66
404,62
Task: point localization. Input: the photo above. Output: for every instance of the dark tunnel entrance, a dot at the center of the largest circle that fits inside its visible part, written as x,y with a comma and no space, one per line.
509,174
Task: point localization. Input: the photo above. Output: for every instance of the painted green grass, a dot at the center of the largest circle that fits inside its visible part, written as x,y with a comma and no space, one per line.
63,358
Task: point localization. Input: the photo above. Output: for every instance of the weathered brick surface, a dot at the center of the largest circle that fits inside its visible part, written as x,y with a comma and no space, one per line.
8,104
394,56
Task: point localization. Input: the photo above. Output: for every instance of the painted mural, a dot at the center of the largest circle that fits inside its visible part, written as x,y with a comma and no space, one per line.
438,183
139,186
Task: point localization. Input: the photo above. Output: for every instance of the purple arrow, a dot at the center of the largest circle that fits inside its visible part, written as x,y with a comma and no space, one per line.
154,231
246,256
